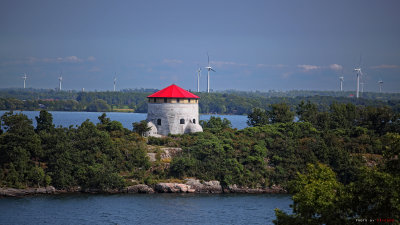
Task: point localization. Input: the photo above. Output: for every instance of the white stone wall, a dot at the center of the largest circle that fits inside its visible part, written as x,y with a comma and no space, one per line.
170,115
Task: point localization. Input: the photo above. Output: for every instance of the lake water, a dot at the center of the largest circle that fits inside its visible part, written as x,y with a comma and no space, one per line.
66,119
143,209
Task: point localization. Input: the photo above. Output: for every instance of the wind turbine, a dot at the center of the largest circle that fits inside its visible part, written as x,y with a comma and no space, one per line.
380,82
60,80
24,77
341,82
208,73
198,79
359,74
115,80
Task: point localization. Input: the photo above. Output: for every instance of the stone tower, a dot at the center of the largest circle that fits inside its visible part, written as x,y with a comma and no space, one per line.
173,110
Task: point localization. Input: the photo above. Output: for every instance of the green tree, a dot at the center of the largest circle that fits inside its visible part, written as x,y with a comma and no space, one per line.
375,195
316,199
392,153
20,135
307,112
280,113
258,117
36,175
44,121
98,105
141,127
216,122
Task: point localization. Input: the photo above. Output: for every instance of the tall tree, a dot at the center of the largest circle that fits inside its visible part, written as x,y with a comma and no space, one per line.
258,117
44,121
280,113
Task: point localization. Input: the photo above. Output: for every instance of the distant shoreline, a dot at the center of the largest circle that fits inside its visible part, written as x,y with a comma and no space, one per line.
212,187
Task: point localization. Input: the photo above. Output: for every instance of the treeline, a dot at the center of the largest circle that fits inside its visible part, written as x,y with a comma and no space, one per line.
340,164
101,156
231,102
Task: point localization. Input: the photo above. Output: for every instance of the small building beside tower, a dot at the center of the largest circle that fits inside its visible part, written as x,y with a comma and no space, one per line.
173,110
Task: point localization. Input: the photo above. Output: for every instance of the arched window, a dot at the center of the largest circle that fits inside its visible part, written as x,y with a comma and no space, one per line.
182,121
194,121
159,122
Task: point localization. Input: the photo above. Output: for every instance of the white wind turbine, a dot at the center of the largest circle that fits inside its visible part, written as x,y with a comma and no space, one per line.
208,73
380,82
359,74
341,82
60,80
198,79
115,80
24,77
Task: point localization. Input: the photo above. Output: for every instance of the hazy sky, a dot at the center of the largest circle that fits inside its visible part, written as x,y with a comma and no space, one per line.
253,45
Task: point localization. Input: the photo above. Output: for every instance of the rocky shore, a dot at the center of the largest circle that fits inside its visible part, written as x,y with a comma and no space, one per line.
190,186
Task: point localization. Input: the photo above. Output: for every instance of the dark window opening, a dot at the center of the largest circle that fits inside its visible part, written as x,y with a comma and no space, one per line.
194,121
154,99
189,100
177,100
159,122
165,100
182,121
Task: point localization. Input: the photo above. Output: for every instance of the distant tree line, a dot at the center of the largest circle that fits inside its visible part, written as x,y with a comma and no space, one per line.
230,102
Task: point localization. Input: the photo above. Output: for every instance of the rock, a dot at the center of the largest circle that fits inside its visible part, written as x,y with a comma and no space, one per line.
50,190
152,156
270,190
205,187
139,188
173,188
13,192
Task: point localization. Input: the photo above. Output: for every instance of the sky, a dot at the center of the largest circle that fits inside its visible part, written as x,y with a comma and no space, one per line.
252,45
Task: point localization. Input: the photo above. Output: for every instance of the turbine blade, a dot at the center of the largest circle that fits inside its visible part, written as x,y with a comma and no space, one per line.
213,69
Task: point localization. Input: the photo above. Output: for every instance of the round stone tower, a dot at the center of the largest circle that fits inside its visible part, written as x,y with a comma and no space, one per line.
173,110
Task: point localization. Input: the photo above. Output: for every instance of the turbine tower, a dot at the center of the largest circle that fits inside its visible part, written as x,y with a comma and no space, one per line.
341,83
380,82
60,80
24,77
198,79
115,80
208,73
359,74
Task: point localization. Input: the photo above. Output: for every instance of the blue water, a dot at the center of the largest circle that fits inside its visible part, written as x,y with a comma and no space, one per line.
143,209
66,119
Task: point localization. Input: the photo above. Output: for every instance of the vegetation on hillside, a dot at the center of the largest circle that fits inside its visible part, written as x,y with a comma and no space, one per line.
340,164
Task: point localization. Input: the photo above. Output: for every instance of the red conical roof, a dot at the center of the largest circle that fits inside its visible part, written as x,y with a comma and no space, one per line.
173,91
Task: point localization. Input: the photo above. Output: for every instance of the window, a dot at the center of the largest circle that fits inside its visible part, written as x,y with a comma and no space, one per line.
182,121
177,100
189,100
154,99
165,100
149,100
194,121
159,122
